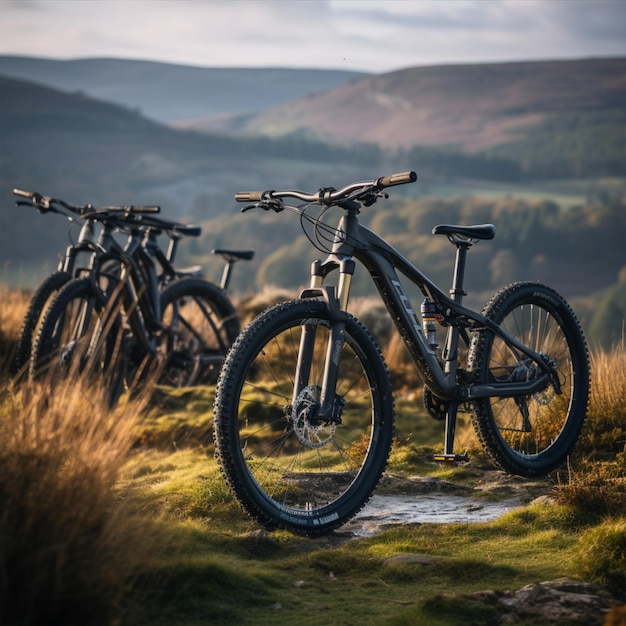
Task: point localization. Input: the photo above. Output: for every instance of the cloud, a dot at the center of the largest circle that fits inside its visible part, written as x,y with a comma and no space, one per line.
369,35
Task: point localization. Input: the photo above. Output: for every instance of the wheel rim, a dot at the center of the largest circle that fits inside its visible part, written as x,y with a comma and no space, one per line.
531,424
299,463
74,338
196,342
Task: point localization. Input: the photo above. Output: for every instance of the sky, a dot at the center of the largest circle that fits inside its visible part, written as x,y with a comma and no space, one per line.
365,35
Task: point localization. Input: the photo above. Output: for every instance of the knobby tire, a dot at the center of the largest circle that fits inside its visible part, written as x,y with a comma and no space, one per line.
286,469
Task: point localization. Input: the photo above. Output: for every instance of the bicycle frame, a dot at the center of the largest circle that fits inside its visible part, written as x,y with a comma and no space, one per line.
384,263
139,280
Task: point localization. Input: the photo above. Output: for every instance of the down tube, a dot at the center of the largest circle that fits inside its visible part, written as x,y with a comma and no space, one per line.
399,306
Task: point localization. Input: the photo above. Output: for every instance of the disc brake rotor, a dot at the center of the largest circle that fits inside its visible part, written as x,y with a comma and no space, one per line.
304,419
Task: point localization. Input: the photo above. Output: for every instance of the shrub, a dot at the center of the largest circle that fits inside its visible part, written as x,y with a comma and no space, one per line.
12,311
595,489
68,544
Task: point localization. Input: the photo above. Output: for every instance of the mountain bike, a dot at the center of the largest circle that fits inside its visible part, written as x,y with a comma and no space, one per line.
304,406
72,265
119,322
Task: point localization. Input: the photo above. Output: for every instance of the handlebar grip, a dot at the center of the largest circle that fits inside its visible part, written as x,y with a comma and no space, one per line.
248,196
145,209
397,179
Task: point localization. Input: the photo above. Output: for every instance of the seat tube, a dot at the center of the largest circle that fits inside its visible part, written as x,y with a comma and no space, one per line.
451,347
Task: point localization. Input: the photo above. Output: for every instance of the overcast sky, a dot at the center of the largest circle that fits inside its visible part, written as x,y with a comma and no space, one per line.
368,35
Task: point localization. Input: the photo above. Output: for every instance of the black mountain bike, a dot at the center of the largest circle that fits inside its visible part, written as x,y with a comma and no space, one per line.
78,259
304,410
134,307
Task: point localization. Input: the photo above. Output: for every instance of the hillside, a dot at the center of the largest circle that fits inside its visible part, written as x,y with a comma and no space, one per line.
84,150
168,92
471,107
76,143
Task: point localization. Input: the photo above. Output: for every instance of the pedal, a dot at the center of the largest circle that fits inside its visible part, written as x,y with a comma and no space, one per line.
451,458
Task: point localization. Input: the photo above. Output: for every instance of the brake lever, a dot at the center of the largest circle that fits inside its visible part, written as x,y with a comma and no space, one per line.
266,205
276,205
371,198
41,203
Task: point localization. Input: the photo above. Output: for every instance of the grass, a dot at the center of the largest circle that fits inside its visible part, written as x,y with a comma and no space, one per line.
122,518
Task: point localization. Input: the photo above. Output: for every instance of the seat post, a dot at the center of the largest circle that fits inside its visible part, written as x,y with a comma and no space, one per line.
226,273
450,351
457,292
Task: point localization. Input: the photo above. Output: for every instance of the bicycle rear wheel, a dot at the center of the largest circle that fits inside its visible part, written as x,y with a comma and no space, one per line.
285,467
530,435
200,325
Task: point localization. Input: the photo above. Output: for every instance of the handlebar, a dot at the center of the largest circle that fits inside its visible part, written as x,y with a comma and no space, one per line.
124,217
172,228
136,218
360,190
48,203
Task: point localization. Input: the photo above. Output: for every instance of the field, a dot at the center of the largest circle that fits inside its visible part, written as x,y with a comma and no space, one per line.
122,518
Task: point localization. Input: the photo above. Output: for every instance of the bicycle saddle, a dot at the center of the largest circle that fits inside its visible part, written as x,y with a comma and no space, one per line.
235,255
480,231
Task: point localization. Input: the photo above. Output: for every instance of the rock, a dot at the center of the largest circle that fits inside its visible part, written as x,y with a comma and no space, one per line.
260,536
551,602
544,499
417,485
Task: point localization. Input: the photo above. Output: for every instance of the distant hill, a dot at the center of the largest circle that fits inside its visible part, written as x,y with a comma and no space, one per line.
464,107
81,149
67,143
167,92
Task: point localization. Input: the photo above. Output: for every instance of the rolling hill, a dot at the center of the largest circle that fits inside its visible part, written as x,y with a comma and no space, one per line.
465,107
167,92
84,150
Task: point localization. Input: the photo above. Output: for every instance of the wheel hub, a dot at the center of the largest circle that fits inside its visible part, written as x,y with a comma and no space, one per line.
309,430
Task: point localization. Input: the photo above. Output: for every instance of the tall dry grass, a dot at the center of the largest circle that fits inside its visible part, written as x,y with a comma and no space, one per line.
604,435
69,544
595,481
13,305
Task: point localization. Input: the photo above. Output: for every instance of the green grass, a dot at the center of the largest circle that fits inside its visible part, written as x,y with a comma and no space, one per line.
229,572
209,563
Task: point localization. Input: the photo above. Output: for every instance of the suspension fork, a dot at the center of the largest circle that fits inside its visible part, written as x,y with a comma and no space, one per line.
337,301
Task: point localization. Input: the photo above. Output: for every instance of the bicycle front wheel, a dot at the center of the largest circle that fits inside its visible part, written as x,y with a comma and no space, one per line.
287,468
531,435
78,333
34,314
